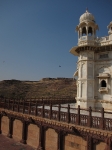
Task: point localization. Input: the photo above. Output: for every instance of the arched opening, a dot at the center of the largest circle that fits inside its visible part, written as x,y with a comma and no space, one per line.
111,28
90,31
83,31
103,83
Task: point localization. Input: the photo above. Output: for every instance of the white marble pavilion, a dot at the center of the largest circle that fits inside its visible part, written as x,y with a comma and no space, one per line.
94,66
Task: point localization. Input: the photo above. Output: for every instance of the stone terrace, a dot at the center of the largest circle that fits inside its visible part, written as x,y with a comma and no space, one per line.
11,144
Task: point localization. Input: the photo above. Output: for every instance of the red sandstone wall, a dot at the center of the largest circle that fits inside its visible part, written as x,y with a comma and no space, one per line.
17,129
5,125
33,136
51,140
73,142
100,146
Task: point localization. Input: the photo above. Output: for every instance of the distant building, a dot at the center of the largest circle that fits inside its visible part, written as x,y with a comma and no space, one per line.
94,66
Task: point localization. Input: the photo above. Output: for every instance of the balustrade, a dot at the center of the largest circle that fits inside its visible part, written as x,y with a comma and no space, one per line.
83,120
96,122
46,113
73,118
54,115
83,117
108,124
63,116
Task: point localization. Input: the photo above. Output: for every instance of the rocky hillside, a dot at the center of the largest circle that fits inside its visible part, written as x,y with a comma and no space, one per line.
47,87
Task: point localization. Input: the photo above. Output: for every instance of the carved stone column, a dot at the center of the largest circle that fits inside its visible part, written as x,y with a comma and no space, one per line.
24,132
80,32
89,143
93,32
0,123
41,138
108,143
87,31
61,138
11,119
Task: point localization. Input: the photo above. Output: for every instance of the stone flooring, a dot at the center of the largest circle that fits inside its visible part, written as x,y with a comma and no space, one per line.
10,144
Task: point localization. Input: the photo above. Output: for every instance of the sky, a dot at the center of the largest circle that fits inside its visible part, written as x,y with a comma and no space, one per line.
37,35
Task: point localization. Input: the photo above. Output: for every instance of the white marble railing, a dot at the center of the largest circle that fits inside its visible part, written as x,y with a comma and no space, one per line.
90,40
106,38
82,38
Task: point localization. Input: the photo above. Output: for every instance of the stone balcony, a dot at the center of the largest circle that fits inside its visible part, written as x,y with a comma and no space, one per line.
83,38
104,41
86,40
103,89
90,40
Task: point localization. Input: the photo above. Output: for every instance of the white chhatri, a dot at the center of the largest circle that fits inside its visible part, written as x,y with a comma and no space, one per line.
94,66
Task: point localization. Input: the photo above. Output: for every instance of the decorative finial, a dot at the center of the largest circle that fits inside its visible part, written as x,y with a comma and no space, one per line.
86,9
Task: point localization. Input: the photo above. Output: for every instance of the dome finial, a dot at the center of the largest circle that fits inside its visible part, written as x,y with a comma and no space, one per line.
86,9
87,17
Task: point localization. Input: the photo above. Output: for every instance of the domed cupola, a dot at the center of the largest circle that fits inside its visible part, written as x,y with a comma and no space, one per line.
87,29
110,28
110,31
86,17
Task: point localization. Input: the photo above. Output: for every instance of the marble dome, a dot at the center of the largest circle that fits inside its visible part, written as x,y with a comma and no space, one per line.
86,17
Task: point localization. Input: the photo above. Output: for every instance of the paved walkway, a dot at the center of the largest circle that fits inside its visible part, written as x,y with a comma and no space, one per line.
10,144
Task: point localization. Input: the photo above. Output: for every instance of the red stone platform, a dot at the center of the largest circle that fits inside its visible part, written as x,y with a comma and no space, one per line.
11,144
